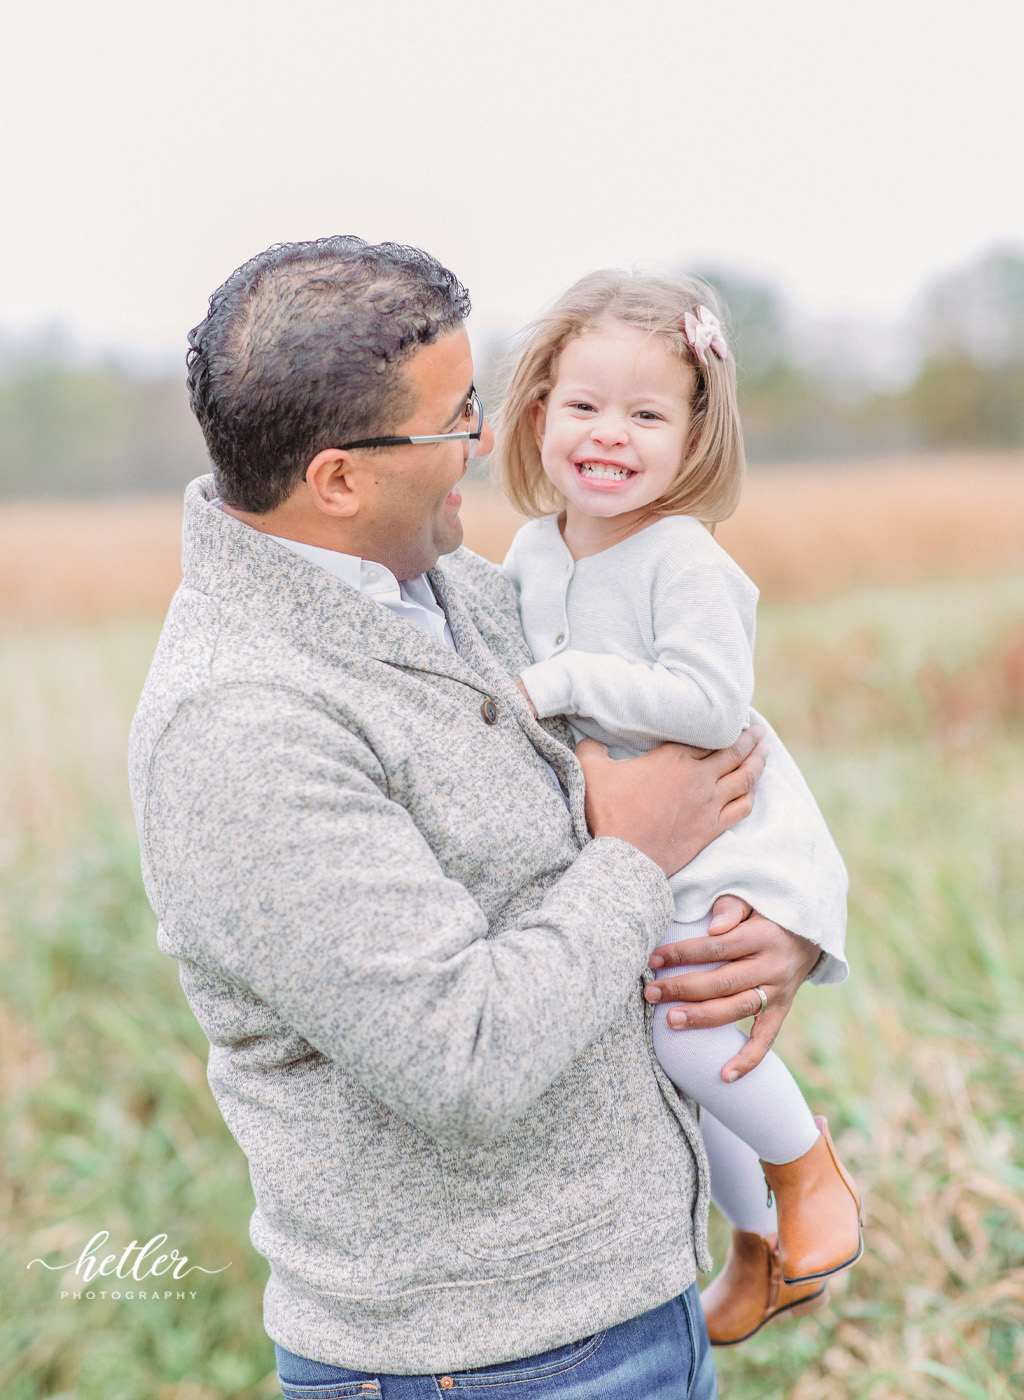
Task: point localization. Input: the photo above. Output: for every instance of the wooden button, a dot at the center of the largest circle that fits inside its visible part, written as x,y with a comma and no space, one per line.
489,710
446,1382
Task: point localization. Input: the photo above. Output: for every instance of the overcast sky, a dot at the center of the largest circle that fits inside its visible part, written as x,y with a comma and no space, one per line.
847,148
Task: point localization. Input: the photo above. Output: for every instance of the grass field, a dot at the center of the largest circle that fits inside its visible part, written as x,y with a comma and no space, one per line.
905,706
800,532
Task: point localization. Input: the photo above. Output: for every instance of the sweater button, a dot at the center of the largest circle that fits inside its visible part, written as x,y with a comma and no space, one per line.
489,710
446,1382
559,639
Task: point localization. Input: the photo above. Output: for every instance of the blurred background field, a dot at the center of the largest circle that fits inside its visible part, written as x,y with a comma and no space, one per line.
801,531
883,520
842,175
901,691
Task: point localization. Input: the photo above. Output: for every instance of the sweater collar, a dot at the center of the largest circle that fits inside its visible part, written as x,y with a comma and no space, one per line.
279,590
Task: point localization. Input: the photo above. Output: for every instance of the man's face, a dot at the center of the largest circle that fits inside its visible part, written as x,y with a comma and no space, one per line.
413,510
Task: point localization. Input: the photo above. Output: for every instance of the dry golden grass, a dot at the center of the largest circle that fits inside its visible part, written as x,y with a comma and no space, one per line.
800,532
81,561
806,531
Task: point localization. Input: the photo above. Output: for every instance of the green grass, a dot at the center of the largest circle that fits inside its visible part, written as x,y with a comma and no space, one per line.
109,1122
906,710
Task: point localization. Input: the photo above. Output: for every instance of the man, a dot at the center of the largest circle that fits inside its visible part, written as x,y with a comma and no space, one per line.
418,974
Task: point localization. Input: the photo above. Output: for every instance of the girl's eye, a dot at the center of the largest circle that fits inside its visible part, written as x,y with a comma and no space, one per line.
582,406
648,415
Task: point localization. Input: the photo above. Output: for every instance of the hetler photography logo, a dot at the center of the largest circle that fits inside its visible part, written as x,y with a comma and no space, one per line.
148,1263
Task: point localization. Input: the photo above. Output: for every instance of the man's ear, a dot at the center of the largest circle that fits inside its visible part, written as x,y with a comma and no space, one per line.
334,482
538,412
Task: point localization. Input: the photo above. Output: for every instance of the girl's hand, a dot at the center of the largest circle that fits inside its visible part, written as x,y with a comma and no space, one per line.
533,707
753,952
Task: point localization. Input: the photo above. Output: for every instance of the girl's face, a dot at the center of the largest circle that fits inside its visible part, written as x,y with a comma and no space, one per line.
613,429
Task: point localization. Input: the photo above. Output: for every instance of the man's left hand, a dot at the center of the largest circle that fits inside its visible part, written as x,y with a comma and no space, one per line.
754,953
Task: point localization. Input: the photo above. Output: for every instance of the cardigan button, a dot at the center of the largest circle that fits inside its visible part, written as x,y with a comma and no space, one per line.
489,710
446,1382
559,639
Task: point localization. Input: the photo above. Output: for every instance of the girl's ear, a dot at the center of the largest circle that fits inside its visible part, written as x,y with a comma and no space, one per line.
538,413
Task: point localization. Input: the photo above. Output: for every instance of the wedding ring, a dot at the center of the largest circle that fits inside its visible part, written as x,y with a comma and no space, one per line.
764,1000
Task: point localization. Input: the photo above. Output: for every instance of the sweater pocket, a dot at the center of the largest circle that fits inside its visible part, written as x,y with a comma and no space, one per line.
555,1177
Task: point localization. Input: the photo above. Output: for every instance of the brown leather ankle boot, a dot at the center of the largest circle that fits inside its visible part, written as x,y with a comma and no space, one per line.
750,1291
819,1212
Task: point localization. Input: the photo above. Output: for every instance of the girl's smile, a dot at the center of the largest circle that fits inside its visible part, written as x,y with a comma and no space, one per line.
613,430
603,473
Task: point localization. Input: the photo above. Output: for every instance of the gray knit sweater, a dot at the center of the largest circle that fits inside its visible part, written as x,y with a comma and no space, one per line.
420,981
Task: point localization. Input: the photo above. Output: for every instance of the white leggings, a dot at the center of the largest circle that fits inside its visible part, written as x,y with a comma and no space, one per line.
763,1115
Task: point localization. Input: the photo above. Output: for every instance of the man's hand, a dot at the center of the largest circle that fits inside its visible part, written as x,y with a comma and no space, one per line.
672,802
754,953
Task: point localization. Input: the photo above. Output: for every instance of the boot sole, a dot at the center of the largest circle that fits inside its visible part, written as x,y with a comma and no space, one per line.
814,1303
836,1268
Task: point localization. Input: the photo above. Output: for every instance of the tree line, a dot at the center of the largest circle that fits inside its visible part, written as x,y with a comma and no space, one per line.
950,375
807,390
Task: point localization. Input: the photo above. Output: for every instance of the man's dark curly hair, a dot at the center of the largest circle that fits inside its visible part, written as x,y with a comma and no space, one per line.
301,351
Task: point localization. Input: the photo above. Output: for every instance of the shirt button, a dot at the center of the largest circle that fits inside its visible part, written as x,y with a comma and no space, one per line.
372,575
446,1382
559,639
489,710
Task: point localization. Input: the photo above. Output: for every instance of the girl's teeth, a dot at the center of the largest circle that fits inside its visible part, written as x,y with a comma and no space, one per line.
604,473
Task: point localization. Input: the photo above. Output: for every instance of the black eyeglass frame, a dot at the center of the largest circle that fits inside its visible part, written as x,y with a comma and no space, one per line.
474,438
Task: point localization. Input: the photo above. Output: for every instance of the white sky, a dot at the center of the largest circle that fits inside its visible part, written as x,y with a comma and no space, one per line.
848,148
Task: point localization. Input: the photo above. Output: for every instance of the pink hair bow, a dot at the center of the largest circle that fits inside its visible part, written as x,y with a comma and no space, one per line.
704,332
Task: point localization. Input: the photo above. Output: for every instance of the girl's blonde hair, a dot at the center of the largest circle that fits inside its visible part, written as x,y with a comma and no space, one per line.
711,473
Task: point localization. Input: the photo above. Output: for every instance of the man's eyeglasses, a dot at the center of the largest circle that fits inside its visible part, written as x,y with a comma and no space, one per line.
474,421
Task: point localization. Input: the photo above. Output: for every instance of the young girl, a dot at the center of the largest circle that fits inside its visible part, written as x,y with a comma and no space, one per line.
620,435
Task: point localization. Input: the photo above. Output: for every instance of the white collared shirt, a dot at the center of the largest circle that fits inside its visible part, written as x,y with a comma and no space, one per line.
412,598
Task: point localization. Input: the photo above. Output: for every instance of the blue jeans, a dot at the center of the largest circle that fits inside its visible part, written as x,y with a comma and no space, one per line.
661,1355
